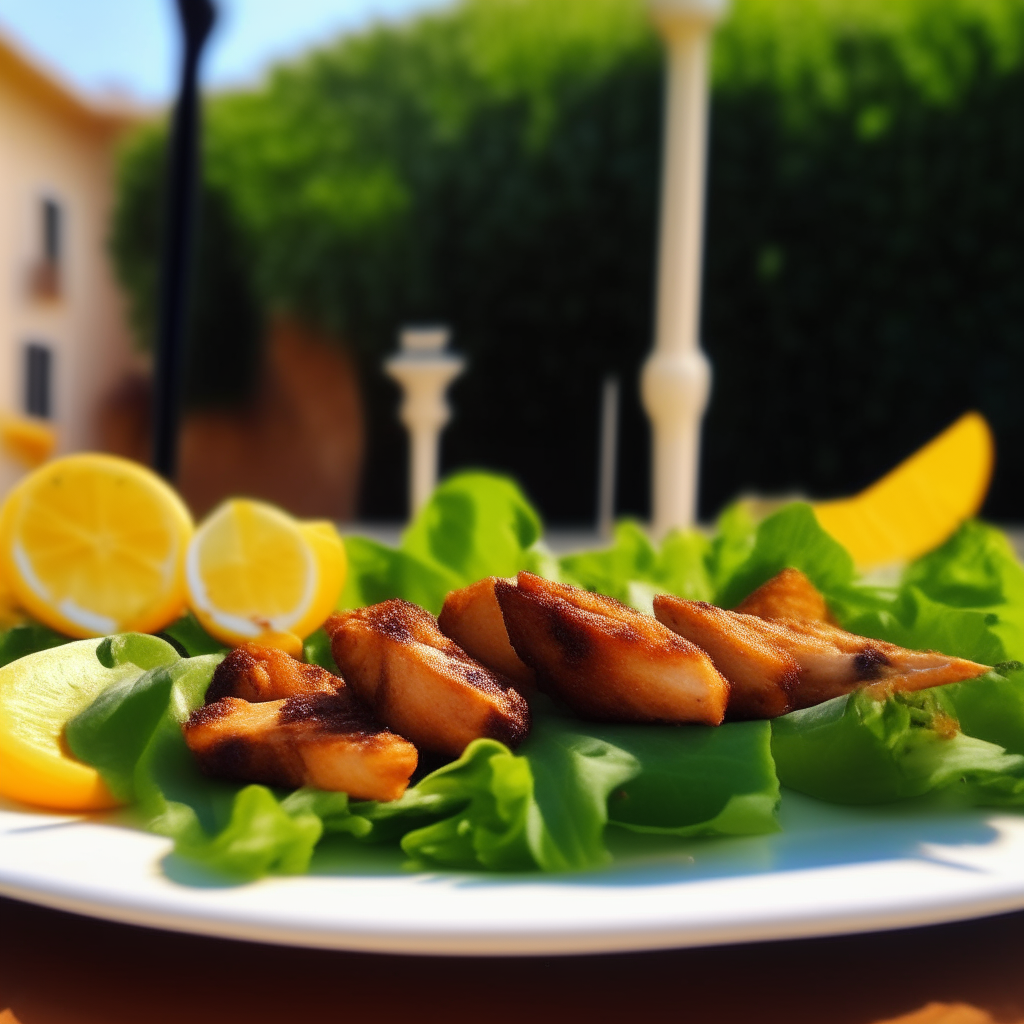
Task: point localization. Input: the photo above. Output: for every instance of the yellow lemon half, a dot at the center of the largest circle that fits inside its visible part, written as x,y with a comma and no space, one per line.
255,573
39,694
94,544
920,503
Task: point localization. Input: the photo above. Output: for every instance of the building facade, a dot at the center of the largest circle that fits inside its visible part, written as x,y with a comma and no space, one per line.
64,338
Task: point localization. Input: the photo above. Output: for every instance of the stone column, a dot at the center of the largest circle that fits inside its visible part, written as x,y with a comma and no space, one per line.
424,370
676,378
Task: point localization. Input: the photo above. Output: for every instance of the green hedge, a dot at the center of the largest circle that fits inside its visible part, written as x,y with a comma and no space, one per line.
496,166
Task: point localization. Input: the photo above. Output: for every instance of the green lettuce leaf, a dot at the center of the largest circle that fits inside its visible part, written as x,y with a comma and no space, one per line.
28,638
791,538
976,572
190,638
143,650
112,732
685,565
116,732
856,749
696,780
132,734
966,598
731,546
317,651
491,830
976,568
547,806
992,706
261,837
630,557
475,525
633,570
544,807
240,831
377,573
86,670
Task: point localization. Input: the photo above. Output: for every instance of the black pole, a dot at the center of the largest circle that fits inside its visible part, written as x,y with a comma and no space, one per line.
197,18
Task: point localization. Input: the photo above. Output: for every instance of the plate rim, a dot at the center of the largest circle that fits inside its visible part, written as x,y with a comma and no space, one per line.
172,906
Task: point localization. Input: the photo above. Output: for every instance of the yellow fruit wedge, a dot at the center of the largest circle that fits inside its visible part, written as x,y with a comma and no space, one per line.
94,544
256,574
39,694
30,441
920,503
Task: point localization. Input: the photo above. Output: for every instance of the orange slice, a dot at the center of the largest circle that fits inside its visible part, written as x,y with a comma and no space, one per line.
920,503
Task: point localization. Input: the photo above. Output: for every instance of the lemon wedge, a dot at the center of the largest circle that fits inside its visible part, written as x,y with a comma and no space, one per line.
94,544
920,503
29,440
255,573
39,695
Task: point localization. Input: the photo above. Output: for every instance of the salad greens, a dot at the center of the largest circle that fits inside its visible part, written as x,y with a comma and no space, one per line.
857,749
475,525
545,806
548,805
28,638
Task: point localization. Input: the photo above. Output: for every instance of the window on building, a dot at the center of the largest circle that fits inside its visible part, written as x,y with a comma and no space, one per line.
51,231
47,272
38,379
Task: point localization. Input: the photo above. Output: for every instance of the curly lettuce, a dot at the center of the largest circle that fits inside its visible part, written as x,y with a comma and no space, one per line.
544,807
859,749
474,525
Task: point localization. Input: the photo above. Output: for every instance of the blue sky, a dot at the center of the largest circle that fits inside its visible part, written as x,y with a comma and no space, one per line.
131,45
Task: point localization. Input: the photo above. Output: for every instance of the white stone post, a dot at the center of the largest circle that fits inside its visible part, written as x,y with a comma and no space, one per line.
424,370
676,378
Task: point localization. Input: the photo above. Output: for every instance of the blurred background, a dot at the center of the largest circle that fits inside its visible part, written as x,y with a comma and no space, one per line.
493,165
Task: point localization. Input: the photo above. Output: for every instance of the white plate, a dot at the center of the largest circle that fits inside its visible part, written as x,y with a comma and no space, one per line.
831,871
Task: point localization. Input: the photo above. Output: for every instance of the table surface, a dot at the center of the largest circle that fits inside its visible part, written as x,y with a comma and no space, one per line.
58,968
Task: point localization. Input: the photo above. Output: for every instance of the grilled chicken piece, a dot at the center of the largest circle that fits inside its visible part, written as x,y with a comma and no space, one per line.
259,673
762,675
420,683
789,595
326,740
779,665
607,661
471,617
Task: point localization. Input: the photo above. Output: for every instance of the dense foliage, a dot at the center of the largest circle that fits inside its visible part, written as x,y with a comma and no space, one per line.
495,166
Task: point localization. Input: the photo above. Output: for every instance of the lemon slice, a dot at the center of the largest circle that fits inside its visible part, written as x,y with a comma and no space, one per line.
94,544
920,503
39,694
255,573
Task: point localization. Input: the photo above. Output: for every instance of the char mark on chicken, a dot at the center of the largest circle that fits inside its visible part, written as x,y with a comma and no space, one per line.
472,618
422,684
326,740
606,661
257,673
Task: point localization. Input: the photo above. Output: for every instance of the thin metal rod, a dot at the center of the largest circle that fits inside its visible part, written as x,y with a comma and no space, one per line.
197,17
608,456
